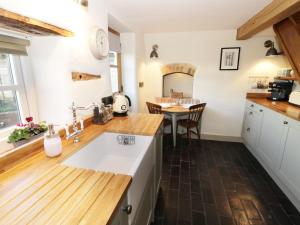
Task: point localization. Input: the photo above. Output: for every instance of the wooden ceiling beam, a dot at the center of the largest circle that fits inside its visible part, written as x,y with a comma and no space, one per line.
13,21
273,13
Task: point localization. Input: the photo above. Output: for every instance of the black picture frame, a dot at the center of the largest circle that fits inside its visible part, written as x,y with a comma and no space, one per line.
231,62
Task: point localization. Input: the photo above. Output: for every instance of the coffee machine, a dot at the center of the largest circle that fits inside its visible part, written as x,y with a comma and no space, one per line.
280,90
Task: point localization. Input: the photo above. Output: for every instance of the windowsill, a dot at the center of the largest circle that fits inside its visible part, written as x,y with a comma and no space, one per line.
4,134
5,147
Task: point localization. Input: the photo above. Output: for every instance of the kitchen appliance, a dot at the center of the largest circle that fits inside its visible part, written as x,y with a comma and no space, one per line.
280,91
121,104
295,98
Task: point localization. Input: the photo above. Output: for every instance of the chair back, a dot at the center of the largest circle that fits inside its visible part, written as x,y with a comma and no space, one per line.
176,94
195,112
154,108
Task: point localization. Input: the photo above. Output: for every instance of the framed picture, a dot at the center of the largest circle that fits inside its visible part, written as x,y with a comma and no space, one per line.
230,58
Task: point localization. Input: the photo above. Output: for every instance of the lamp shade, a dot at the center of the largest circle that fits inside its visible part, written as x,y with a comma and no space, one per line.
272,52
154,53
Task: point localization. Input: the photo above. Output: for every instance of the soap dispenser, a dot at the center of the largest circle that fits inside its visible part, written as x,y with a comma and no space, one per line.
52,142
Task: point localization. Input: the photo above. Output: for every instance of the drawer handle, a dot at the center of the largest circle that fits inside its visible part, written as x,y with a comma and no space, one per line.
261,110
251,113
285,122
252,105
127,209
248,129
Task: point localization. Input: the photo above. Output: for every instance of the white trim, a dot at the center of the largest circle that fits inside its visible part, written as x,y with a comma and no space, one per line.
216,137
22,95
9,88
19,88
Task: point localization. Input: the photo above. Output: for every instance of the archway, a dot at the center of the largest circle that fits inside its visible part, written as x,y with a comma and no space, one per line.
178,80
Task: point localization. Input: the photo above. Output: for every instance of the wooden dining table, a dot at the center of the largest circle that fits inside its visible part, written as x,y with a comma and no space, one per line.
174,111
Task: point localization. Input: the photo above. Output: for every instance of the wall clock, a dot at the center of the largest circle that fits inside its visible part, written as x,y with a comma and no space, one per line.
99,44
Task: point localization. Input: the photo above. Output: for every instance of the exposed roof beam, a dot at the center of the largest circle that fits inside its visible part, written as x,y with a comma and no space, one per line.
273,13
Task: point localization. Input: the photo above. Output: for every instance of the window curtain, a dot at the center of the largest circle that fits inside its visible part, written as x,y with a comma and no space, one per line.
12,45
114,42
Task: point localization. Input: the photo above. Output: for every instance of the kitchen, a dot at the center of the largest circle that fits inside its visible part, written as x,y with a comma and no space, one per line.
243,170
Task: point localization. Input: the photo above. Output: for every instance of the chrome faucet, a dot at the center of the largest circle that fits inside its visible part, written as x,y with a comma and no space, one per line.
76,131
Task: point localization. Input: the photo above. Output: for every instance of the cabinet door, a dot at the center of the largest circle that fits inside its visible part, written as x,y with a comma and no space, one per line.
145,211
290,166
252,126
121,216
273,133
158,160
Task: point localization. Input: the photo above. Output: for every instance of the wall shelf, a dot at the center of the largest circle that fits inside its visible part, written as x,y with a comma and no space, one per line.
13,21
285,78
77,76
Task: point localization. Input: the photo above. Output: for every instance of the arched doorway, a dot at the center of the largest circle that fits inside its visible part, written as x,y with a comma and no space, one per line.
178,78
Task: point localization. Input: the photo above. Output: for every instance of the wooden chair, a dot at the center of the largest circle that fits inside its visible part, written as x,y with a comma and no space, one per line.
156,109
193,120
176,94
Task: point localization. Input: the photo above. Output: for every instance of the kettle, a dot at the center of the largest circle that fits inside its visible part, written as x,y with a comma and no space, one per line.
121,104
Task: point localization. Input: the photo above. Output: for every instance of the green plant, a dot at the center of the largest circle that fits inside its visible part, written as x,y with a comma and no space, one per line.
19,135
27,131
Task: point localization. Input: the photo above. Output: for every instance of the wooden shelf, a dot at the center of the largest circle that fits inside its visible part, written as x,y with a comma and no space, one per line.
77,76
13,21
285,78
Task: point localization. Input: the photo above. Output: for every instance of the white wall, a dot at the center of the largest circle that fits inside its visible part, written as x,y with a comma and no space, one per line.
129,68
54,58
223,91
132,45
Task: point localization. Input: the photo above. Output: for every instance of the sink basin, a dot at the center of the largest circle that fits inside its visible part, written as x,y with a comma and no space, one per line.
106,154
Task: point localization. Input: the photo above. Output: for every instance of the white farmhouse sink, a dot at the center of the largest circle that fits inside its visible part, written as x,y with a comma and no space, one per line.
106,154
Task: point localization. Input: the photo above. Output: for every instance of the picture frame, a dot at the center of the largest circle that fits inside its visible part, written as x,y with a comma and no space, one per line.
230,58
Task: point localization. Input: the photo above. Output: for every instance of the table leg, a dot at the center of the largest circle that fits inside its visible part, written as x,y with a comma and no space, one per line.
174,124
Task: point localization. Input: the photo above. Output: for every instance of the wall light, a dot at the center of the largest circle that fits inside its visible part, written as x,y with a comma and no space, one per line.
154,53
272,51
84,3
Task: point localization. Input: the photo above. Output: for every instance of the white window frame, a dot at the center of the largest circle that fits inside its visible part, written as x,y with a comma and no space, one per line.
19,87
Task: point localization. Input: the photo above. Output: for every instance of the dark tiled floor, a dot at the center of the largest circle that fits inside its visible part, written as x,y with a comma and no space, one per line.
218,183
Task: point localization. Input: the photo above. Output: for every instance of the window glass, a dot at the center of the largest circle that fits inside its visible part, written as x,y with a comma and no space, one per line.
6,77
114,79
9,109
11,92
115,69
113,58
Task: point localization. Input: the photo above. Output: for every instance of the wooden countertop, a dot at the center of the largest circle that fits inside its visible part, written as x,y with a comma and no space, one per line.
284,108
38,190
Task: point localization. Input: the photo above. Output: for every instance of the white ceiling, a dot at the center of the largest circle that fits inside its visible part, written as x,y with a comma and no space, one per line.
184,15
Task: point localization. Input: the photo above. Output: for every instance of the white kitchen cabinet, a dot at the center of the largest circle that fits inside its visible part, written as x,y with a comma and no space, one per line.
290,164
272,137
158,160
121,216
145,212
252,125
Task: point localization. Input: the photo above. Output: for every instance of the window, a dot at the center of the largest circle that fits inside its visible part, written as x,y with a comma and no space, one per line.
13,100
115,71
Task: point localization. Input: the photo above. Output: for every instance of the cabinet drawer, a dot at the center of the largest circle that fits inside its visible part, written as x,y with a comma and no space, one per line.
251,105
253,119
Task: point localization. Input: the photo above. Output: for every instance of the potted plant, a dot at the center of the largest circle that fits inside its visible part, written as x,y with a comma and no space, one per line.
27,132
